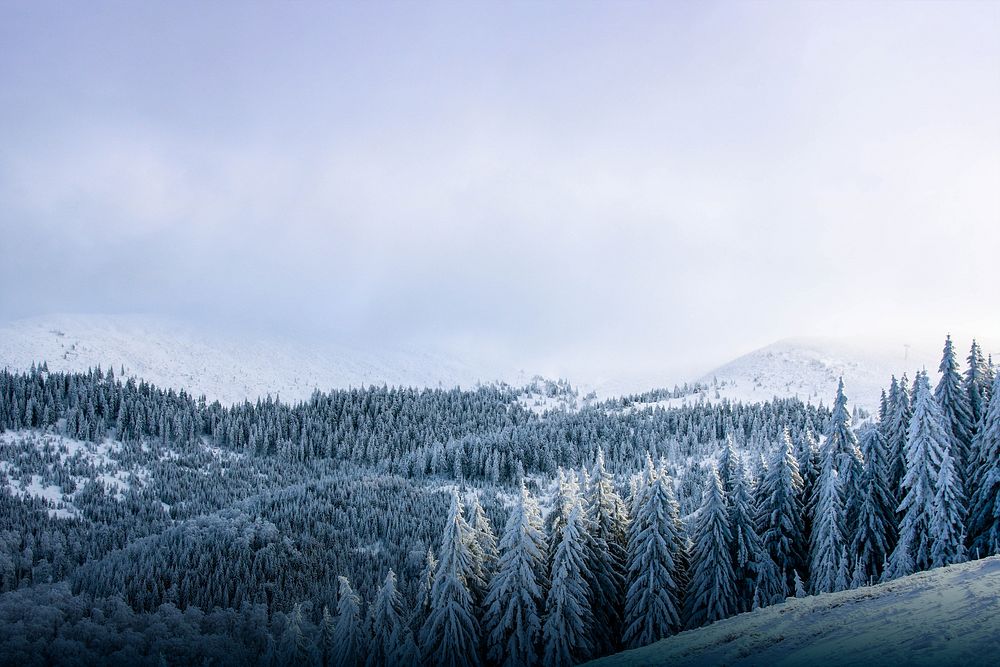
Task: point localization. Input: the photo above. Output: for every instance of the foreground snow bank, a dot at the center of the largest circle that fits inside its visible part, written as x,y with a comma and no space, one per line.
948,616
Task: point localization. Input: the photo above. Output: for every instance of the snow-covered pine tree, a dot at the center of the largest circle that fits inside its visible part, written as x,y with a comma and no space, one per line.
975,384
566,494
954,404
828,532
984,517
512,618
349,642
847,460
422,594
779,520
712,594
656,577
327,638
948,516
609,528
568,617
875,532
450,635
927,441
750,562
483,547
896,432
387,621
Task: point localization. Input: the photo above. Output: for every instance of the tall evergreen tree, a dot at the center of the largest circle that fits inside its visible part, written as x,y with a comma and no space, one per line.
388,624
948,516
483,547
750,562
608,527
712,593
828,529
926,445
349,642
896,432
975,384
780,519
568,616
875,532
512,619
656,576
847,460
954,404
984,517
450,635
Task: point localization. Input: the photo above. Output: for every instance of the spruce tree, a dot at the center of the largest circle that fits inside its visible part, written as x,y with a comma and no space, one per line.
954,403
750,562
349,642
512,619
779,520
948,516
568,616
712,593
896,432
975,384
984,517
608,524
927,442
656,576
875,531
387,622
483,547
847,460
450,635
828,529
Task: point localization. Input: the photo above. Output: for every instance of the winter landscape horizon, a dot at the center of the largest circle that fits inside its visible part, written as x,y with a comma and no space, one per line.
499,334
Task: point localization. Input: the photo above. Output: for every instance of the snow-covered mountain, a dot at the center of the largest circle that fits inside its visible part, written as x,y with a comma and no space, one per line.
947,616
225,366
808,368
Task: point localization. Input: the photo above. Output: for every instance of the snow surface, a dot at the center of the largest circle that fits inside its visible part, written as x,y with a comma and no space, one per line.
947,616
225,367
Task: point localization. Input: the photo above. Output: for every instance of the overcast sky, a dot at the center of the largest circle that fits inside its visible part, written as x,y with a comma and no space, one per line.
626,185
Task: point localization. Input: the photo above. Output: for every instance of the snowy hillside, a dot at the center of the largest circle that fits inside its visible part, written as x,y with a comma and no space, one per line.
229,368
808,368
947,616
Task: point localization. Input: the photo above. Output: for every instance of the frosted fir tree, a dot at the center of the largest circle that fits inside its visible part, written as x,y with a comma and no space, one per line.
984,515
828,534
512,618
483,547
780,518
843,444
728,462
422,593
875,531
387,622
954,403
975,384
750,562
926,445
327,637
568,615
608,524
896,432
294,647
711,594
348,642
656,562
948,517
450,636
566,495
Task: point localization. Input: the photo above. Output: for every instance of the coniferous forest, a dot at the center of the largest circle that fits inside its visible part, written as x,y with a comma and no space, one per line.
372,526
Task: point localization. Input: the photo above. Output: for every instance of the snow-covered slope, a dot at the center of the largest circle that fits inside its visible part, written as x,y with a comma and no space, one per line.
808,368
222,366
948,616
